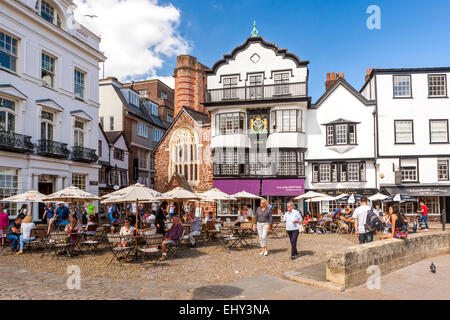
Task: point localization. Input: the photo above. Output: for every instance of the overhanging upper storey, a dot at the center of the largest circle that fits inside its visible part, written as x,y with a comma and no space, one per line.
257,71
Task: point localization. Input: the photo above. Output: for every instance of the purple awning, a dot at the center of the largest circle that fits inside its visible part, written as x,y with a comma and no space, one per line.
235,186
283,187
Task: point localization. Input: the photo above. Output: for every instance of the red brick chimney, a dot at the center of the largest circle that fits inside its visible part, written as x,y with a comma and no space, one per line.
369,70
190,84
331,80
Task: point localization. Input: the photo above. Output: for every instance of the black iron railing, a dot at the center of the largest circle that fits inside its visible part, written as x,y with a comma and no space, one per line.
262,92
53,149
83,154
11,141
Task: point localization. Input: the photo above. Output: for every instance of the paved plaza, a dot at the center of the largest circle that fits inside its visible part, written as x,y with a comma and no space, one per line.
413,282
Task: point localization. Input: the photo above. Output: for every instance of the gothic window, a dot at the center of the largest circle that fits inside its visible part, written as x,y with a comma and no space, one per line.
184,159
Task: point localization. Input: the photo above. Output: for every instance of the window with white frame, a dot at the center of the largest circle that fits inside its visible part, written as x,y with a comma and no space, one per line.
437,85
78,133
439,131
7,115
142,130
315,174
443,170
79,83
433,204
48,70
47,125
287,120
341,134
343,173
402,86
79,180
133,98
281,83
49,13
353,172
408,168
404,131
143,157
325,172
229,84
8,51
230,123
157,135
255,83
8,187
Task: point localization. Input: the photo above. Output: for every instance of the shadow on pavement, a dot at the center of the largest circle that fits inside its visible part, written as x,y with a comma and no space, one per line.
305,253
216,292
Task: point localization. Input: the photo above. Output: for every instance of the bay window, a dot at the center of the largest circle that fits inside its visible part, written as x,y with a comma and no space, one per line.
339,172
341,134
230,123
289,120
8,51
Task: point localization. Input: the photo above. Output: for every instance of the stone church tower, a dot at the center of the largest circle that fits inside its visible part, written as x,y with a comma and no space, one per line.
183,156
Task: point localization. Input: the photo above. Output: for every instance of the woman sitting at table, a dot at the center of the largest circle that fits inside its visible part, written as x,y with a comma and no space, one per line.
126,230
305,222
26,227
92,221
343,222
348,211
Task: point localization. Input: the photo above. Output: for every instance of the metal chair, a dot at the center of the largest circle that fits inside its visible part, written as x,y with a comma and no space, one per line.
92,242
58,243
152,245
120,253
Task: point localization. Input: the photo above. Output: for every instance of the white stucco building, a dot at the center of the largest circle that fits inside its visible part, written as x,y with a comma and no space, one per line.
341,141
412,143
48,99
258,99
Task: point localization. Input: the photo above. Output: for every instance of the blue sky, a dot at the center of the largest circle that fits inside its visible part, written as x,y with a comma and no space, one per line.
331,34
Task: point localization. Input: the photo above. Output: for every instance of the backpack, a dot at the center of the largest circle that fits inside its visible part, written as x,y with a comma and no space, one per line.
373,222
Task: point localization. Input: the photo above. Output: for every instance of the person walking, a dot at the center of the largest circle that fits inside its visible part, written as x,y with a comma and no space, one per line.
293,218
49,214
360,216
423,215
263,222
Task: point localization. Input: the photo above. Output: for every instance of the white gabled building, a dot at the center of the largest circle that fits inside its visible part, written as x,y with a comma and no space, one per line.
341,141
48,99
258,99
412,124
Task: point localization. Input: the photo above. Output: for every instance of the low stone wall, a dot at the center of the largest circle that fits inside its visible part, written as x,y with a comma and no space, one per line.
348,268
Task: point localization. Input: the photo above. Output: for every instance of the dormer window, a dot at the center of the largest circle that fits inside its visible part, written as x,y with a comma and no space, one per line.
133,98
341,132
49,14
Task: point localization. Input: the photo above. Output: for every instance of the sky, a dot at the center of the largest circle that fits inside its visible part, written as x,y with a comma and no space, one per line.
143,37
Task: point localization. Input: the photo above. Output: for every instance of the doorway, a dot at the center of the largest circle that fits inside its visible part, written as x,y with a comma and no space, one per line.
44,188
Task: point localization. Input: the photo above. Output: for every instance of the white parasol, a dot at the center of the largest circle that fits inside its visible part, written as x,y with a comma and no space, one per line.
245,195
310,195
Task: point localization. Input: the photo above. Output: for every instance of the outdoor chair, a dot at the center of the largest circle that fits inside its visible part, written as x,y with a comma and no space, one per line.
3,241
37,242
120,253
323,227
172,247
226,237
152,245
185,238
92,242
58,242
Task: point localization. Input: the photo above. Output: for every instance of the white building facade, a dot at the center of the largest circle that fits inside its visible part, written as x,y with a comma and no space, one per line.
258,99
341,142
48,100
412,145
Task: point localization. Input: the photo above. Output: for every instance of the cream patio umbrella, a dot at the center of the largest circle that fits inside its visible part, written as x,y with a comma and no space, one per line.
320,199
378,197
245,195
31,196
310,195
71,194
178,194
215,195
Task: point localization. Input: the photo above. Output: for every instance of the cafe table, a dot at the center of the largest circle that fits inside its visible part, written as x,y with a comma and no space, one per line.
242,234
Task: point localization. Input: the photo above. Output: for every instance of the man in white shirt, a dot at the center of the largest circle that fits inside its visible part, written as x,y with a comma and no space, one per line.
292,218
377,210
360,214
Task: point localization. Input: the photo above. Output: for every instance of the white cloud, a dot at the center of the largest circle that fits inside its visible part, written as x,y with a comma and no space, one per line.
137,35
